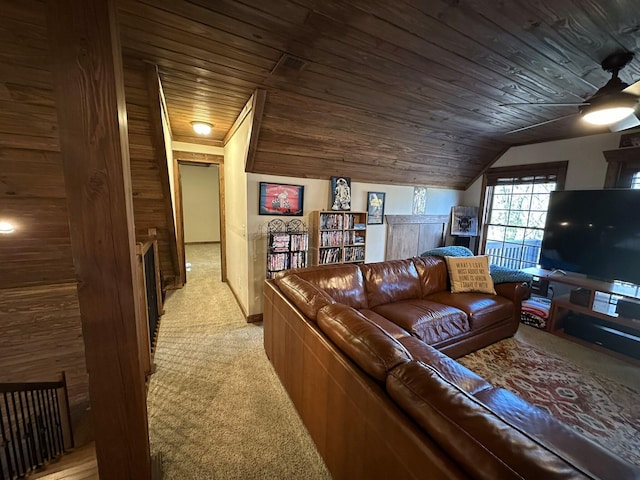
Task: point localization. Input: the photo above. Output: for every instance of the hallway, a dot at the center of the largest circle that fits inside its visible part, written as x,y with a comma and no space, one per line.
216,408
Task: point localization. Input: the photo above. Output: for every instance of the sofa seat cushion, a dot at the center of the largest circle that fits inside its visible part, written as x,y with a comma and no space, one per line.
484,444
390,281
374,350
431,322
453,371
344,283
306,296
387,325
482,310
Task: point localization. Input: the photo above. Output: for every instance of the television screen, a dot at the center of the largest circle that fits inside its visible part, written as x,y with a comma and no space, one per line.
594,232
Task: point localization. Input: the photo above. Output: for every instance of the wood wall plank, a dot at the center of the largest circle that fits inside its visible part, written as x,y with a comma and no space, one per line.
41,337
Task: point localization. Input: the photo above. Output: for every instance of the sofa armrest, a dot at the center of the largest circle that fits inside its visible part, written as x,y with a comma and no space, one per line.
514,291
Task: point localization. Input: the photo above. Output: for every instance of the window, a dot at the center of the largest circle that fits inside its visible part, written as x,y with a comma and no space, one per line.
635,180
515,210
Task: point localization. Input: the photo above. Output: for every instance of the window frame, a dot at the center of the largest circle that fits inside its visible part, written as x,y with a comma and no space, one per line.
493,177
622,164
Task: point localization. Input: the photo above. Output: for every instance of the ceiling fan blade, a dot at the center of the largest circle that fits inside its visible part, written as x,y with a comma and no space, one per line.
633,89
541,123
548,104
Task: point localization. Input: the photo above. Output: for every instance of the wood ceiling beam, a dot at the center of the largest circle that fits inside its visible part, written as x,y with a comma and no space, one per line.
89,92
160,147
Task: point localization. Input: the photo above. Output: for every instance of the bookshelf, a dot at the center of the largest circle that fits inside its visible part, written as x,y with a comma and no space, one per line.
287,245
338,237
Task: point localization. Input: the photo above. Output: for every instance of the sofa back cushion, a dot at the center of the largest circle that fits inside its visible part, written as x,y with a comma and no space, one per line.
344,283
371,348
390,281
483,443
433,274
304,295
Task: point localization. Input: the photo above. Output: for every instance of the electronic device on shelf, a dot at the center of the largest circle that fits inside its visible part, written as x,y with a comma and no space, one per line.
594,232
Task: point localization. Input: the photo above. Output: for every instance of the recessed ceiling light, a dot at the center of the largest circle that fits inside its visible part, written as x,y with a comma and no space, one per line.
6,227
202,128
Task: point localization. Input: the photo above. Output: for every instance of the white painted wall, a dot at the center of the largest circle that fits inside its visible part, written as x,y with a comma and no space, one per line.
398,201
235,186
587,165
200,203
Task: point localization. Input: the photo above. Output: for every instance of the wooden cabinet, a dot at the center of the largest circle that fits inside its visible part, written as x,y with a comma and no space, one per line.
287,244
338,237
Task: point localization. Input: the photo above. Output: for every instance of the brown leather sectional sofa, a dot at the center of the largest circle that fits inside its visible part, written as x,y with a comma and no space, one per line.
359,350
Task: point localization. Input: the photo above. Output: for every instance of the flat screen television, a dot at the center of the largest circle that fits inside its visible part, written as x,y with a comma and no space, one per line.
594,232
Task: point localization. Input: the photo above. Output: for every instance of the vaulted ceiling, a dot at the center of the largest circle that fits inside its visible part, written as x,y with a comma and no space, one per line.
406,92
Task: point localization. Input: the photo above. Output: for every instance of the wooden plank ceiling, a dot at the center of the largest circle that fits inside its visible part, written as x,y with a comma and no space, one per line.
405,92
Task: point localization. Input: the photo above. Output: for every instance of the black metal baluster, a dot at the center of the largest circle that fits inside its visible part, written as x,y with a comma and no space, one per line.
19,436
52,420
11,437
42,428
5,446
27,436
59,420
34,430
47,424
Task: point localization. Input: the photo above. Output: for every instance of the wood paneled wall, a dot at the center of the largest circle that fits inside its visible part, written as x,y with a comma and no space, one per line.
148,194
40,329
41,337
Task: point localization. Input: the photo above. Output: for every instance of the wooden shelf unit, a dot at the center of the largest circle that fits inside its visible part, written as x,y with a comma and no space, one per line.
602,298
338,237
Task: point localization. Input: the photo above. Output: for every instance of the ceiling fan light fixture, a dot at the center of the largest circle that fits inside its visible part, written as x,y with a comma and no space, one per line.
608,110
606,116
202,128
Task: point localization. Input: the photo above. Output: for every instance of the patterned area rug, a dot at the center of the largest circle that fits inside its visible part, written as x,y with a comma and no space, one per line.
603,410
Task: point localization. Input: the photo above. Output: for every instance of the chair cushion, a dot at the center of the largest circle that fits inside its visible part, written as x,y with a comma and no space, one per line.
306,296
374,350
390,281
396,331
431,322
433,274
484,444
482,310
344,283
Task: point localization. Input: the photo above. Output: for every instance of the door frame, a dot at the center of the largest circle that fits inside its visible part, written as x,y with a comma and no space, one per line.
179,157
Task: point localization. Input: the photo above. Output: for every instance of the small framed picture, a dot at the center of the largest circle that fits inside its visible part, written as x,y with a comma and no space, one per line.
464,221
419,200
375,208
281,199
341,193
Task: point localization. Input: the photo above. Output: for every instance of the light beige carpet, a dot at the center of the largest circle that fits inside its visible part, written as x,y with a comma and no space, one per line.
216,408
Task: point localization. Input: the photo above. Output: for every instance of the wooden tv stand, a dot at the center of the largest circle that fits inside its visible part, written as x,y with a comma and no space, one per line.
597,304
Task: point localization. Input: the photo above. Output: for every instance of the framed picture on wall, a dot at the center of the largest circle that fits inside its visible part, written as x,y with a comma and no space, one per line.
419,201
341,193
464,221
281,199
375,208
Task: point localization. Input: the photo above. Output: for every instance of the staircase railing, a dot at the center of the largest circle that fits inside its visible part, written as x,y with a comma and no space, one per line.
35,426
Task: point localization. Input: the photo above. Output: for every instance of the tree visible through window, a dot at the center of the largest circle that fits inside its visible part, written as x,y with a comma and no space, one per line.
516,202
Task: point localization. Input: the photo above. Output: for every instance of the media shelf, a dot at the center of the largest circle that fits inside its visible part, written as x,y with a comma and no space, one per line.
338,237
287,244
588,315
